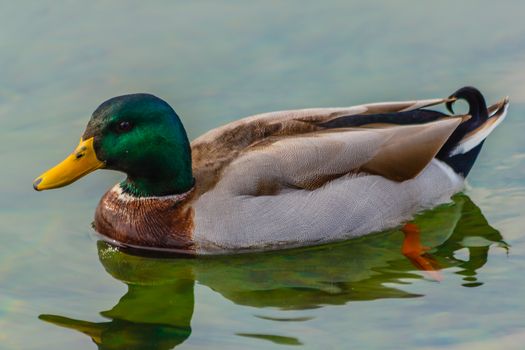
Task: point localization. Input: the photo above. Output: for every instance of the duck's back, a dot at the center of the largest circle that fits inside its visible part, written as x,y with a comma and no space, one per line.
304,177
216,149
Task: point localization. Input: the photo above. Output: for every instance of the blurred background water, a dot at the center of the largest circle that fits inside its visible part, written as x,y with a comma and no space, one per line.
217,61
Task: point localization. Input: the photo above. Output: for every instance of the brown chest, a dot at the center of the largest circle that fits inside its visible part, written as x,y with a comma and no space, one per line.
152,222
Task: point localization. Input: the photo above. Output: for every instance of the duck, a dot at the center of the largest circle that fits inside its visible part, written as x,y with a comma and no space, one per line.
275,180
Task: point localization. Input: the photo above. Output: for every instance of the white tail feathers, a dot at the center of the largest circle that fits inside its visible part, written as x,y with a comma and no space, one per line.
497,113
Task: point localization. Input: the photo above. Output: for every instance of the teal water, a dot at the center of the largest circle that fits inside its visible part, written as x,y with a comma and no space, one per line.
217,61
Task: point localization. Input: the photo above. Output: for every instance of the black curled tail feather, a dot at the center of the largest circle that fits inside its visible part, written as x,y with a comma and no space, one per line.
462,163
475,100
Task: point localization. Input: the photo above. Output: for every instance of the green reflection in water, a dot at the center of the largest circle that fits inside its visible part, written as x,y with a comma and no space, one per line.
277,339
157,309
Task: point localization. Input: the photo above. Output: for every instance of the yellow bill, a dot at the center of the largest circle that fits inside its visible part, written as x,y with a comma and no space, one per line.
81,162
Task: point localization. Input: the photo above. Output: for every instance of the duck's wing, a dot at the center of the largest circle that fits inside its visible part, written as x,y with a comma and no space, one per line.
394,139
309,161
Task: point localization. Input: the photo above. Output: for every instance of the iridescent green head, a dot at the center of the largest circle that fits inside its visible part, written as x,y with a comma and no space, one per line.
138,134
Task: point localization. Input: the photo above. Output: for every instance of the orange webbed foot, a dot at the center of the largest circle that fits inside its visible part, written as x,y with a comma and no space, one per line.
416,252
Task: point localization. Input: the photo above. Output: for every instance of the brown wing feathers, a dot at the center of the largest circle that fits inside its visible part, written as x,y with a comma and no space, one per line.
407,150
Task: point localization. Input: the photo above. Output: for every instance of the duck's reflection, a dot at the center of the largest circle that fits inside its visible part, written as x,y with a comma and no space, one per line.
156,311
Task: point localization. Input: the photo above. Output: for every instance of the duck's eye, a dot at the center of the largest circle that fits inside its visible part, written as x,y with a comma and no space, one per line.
124,126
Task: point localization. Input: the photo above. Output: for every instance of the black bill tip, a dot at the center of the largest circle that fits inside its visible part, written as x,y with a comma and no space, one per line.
36,183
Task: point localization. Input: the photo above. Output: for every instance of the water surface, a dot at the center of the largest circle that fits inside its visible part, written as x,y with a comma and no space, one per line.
216,62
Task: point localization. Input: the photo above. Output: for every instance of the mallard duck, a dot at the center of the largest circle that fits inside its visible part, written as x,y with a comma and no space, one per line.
275,180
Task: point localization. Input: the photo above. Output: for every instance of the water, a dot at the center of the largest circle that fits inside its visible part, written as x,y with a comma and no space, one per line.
216,62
